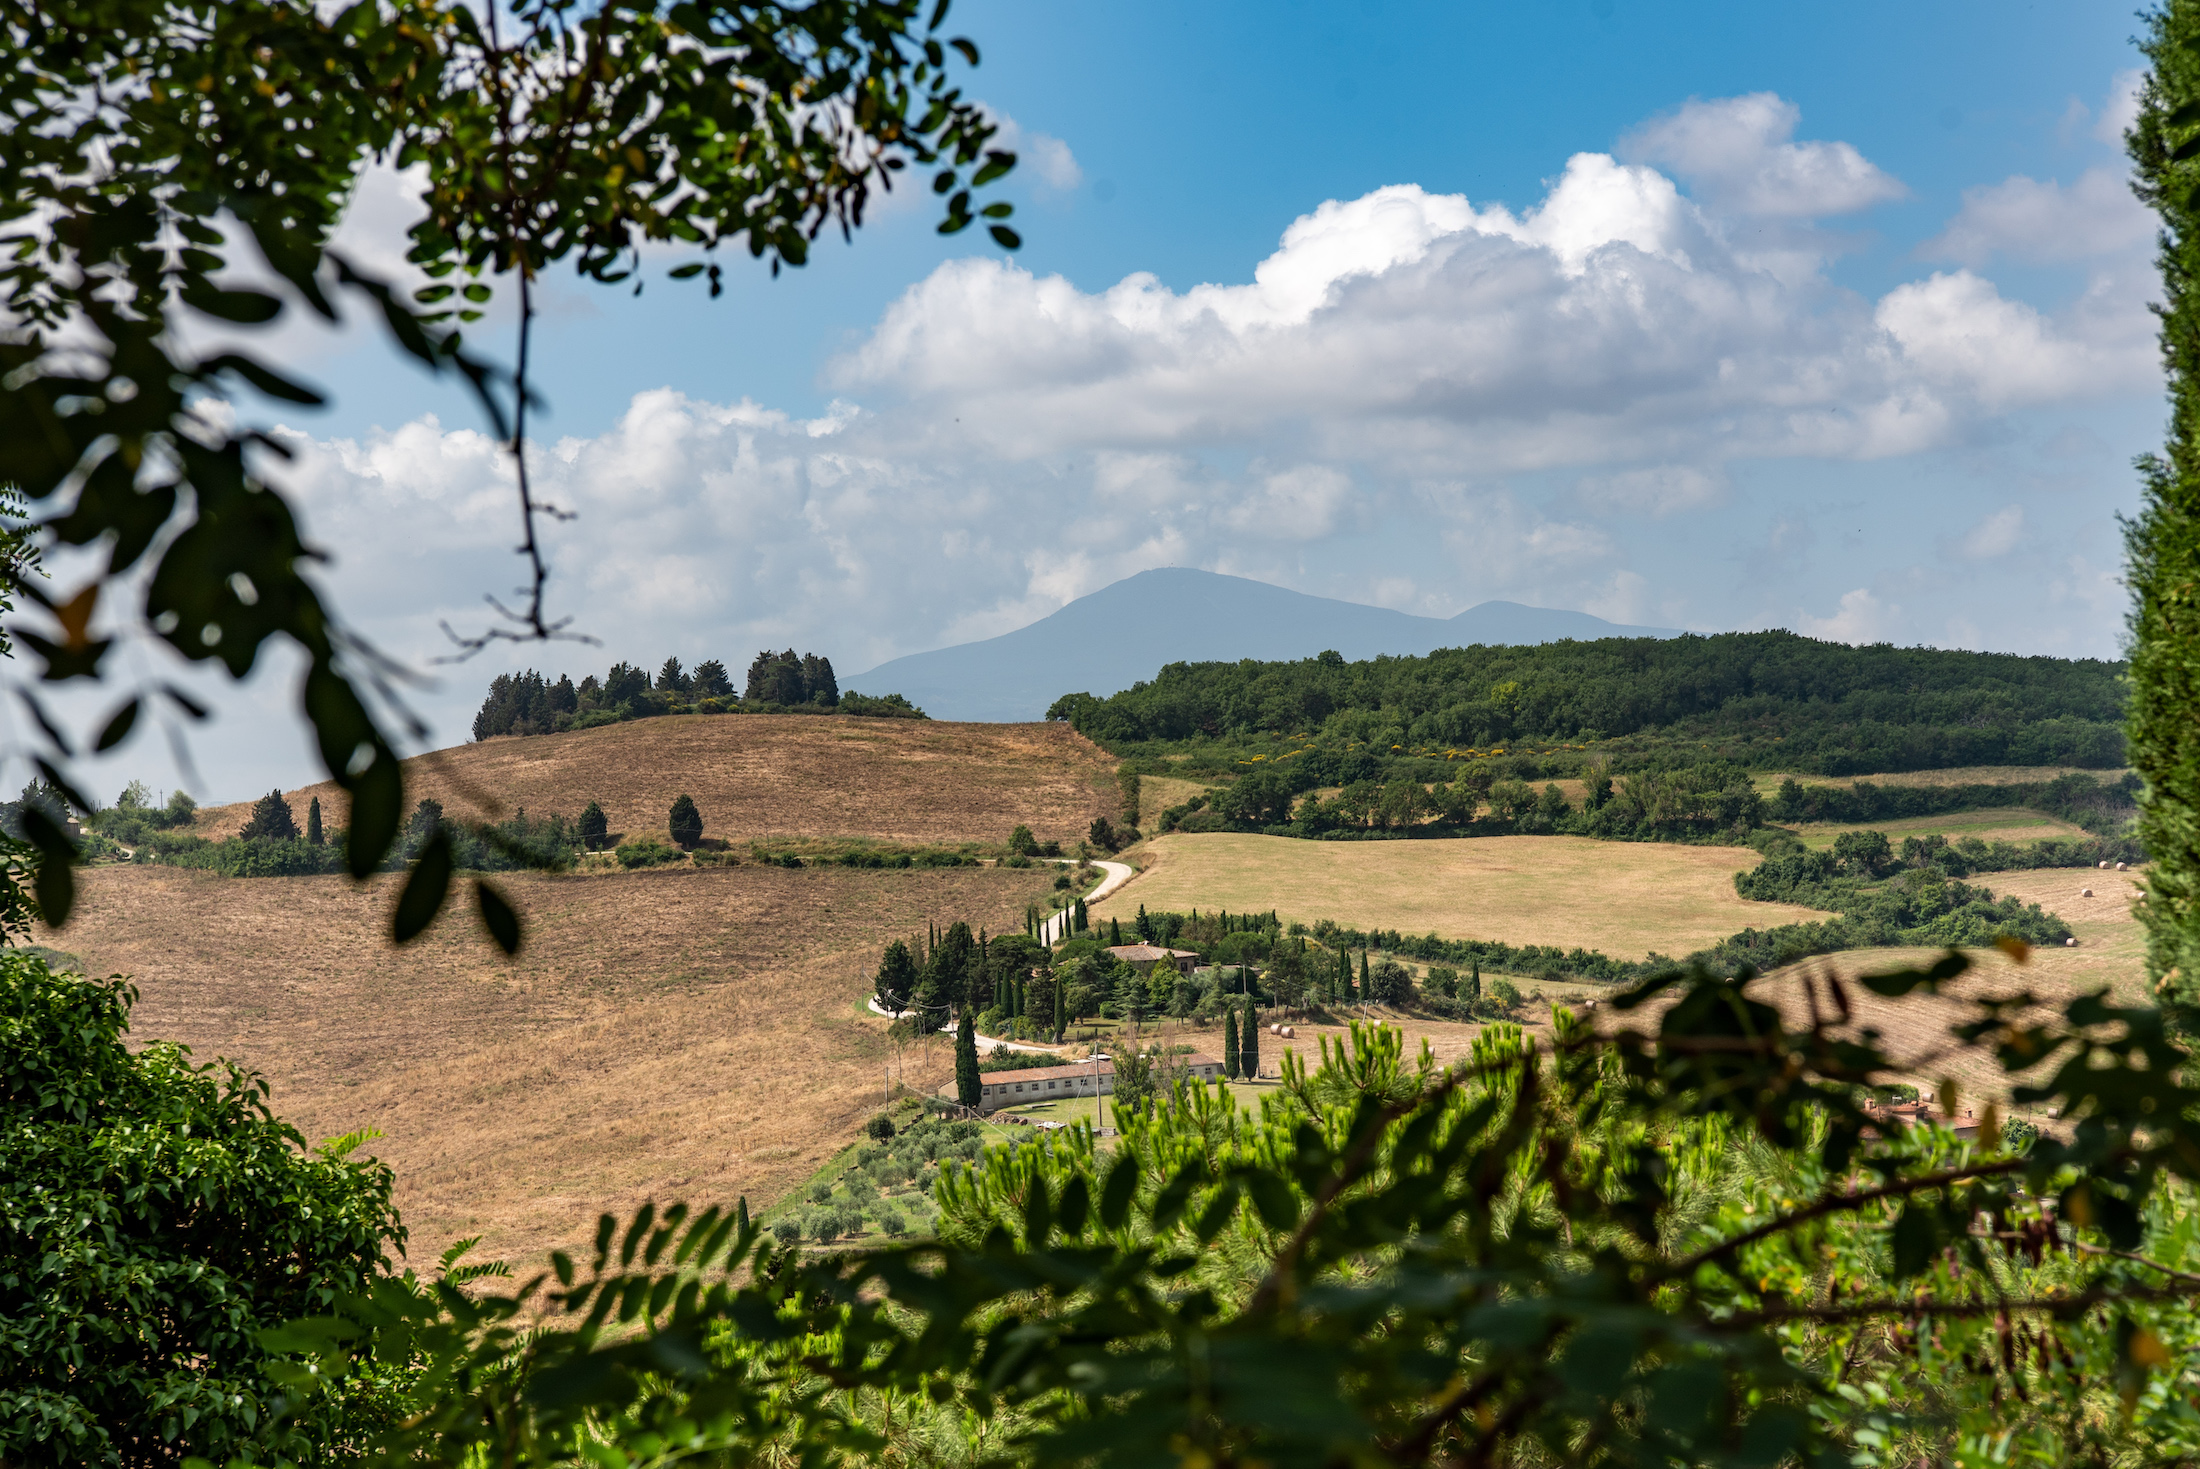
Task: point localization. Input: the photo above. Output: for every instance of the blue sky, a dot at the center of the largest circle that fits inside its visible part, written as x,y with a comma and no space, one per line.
1711,316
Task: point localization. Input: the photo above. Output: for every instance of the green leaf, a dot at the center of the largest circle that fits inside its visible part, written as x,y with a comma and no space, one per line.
55,882
248,307
118,727
686,272
1005,237
1118,1192
274,384
996,165
425,889
497,916
1917,1237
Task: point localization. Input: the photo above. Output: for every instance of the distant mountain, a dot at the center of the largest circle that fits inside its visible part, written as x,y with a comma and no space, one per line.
1122,634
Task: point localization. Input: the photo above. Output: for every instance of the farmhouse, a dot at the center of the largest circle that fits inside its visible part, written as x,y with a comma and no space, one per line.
1079,1079
1143,957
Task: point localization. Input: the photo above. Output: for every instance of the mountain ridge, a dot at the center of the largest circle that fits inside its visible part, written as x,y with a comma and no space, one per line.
1124,633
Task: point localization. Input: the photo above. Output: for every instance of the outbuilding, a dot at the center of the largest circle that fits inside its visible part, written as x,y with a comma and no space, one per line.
998,1089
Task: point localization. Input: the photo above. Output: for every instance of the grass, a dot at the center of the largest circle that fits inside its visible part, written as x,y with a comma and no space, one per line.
1157,793
2007,824
673,1034
1959,775
766,778
1623,898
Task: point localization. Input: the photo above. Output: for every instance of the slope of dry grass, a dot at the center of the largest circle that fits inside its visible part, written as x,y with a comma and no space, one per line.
679,1034
2001,824
759,776
1623,898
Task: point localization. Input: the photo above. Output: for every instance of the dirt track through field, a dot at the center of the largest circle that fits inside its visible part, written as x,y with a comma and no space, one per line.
691,1034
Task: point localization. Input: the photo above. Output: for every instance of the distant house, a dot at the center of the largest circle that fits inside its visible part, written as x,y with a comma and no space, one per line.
1000,1089
1143,957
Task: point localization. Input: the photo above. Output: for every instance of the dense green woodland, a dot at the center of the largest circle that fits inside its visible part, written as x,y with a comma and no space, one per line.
1770,700
526,703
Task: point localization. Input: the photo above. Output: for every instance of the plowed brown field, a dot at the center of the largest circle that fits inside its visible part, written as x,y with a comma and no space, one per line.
690,1033
762,776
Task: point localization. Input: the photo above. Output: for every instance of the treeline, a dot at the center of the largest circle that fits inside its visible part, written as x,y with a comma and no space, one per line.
2105,808
786,682
1769,700
273,844
1714,801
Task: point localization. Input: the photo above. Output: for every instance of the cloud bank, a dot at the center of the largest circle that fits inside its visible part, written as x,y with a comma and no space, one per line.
1416,398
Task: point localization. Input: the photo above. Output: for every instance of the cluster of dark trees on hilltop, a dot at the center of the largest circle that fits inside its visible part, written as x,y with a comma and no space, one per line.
528,703
1770,700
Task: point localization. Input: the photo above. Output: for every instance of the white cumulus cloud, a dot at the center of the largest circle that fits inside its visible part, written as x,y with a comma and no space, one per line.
1739,154
2033,220
1861,618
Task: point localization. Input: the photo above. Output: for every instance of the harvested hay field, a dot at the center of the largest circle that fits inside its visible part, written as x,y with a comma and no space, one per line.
1625,899
2110,953
1956,775
2001,824
692,1034
772,777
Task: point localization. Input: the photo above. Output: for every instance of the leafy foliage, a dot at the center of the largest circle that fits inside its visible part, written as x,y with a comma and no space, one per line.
271,821
149,148
159,1219
1768,700
685,822
1667,1243
2163,542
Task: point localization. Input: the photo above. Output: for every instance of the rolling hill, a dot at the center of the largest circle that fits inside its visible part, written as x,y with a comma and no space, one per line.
1125,633
765,776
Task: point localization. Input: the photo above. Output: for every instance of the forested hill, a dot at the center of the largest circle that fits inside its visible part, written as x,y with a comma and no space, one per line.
1768,699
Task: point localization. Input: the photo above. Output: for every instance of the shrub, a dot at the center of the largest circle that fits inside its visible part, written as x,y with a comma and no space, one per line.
1062,882
159,1219
1504,995
595,827
787,1231
1102,834
272,820
890,1220
1391,983
1022,842
644,852
821,1191
1443,980
880,1127
686,822
824,1224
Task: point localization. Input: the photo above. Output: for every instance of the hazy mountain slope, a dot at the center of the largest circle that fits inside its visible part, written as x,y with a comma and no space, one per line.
1126,632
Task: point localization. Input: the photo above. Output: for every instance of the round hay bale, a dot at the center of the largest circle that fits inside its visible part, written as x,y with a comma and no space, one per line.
1289,1033
2070,943
2123,867
2104,865
1275,1029
2085,892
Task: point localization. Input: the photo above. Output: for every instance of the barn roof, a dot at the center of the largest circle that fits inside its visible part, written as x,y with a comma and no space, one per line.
1149,953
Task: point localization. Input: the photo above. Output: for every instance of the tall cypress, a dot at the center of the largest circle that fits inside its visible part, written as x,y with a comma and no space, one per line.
313,822
1230,1043
2163,543
1363,977
1061,1021
966,1058
1249,1042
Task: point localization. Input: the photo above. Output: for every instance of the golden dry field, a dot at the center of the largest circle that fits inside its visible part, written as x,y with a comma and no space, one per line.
774,777
1955,775
684,1033
2109,953
1157,793
1625,899
2002,824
